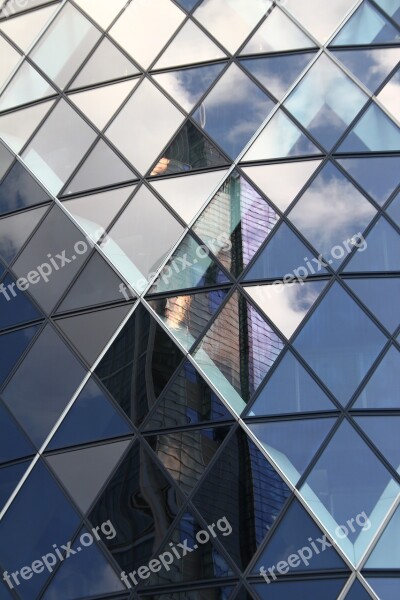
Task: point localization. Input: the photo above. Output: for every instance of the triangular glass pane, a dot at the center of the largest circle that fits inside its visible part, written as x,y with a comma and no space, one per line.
280,138
97,284
26,86
25,29
329,589
12,346
235,223
9,478
187,454
106,64
231,118
320,23
189,401
147,358
286,305
383,432
282,182
94,213
187,86
187,4
277,33
187,316
377,175
93,417
285,257
293,531
85,574
290,390
381,252
329,195
336,490
366,27
321,109
357,592
103,13
190,266
205,562
280,440
374,132
17,127
386,588
186,195
101,103
84,472
191,45
391,7
390,94
370,66
382,390
386,553
237,351
15,230
13,443
394,210
189,150
381,297
132,491
277,73
6,159
15,309
90,332
9,60
244,487
101,168
352,342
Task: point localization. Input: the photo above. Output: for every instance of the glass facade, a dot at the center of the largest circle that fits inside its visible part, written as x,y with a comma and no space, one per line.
199,290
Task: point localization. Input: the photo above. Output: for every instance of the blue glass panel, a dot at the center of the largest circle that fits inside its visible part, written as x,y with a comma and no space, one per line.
15,306
382,390
12,345
13,443
340,343
374,132
9,478
391,7
277,73
381,296
54,522
383,432
325,101
20,190
281,441
188,4
386,554
243,487
285,256
350,491
189,401
358,592
43,385
92,417
379,176
328,589
386,588
296,530
394,210
290,390
340,213
232,118
84,575
370,66
366,26
381,251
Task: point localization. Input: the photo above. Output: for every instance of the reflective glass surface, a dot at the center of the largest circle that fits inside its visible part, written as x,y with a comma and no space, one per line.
18,126
290,590
381,250
371,67
12,346
19,190
394,209
388,96
15,306
378,176
26,85
385,554
382,390
15,230
374,132
321,23
13,442
380,296
366,26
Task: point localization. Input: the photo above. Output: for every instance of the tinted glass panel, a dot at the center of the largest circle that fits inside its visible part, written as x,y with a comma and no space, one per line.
20,190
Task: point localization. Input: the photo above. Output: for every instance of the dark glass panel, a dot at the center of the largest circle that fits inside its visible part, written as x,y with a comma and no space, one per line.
382,390
394,209
12,346
381,297
13,443
19,190
377,175
9,478
15,230
374,132
15,306
380,251
383,432
387,588
329,589
358,592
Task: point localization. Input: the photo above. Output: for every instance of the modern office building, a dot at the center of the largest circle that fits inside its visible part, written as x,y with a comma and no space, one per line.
199,299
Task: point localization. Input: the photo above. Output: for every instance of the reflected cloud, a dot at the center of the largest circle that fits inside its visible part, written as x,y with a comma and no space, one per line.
321,19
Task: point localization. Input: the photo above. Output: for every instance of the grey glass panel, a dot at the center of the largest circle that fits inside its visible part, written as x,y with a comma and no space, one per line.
233,111
328,589
6,159
379,176
371,67
381,297
380,250
65,45
382,390
366,26
15,230
26,85
394,209
58,146
326,101
374,132
34,395
20,190
52,258
15,7
23,30
321,23
351,343
332,214
9,60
